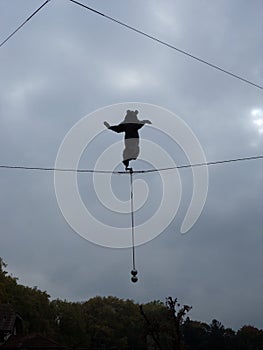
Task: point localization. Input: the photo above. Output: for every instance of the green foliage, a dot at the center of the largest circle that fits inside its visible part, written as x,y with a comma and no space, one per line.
164,322
31,303
250,338
70,323
113,323
196,334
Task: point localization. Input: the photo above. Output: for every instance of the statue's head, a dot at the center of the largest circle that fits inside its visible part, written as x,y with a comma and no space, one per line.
131,117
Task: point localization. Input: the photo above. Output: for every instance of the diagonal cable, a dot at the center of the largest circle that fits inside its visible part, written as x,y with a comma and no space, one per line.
21,25
168,45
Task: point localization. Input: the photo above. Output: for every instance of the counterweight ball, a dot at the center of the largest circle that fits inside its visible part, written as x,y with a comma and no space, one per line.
134,272
134,279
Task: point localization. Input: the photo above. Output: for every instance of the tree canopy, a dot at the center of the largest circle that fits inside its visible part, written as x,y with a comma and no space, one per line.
113,323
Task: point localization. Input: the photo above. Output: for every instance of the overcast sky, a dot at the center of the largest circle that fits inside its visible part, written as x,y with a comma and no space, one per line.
68,62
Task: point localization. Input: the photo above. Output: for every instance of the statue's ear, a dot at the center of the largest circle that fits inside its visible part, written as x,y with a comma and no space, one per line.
136,112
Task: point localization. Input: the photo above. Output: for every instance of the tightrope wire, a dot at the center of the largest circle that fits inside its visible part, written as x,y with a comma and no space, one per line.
28,168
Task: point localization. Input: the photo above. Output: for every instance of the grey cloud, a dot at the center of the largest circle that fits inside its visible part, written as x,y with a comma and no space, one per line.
66,63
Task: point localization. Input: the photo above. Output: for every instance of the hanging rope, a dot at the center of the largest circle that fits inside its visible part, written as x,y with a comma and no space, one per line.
133,271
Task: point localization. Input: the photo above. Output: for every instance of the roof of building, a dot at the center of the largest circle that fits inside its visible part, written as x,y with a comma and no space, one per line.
7,317
32,341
